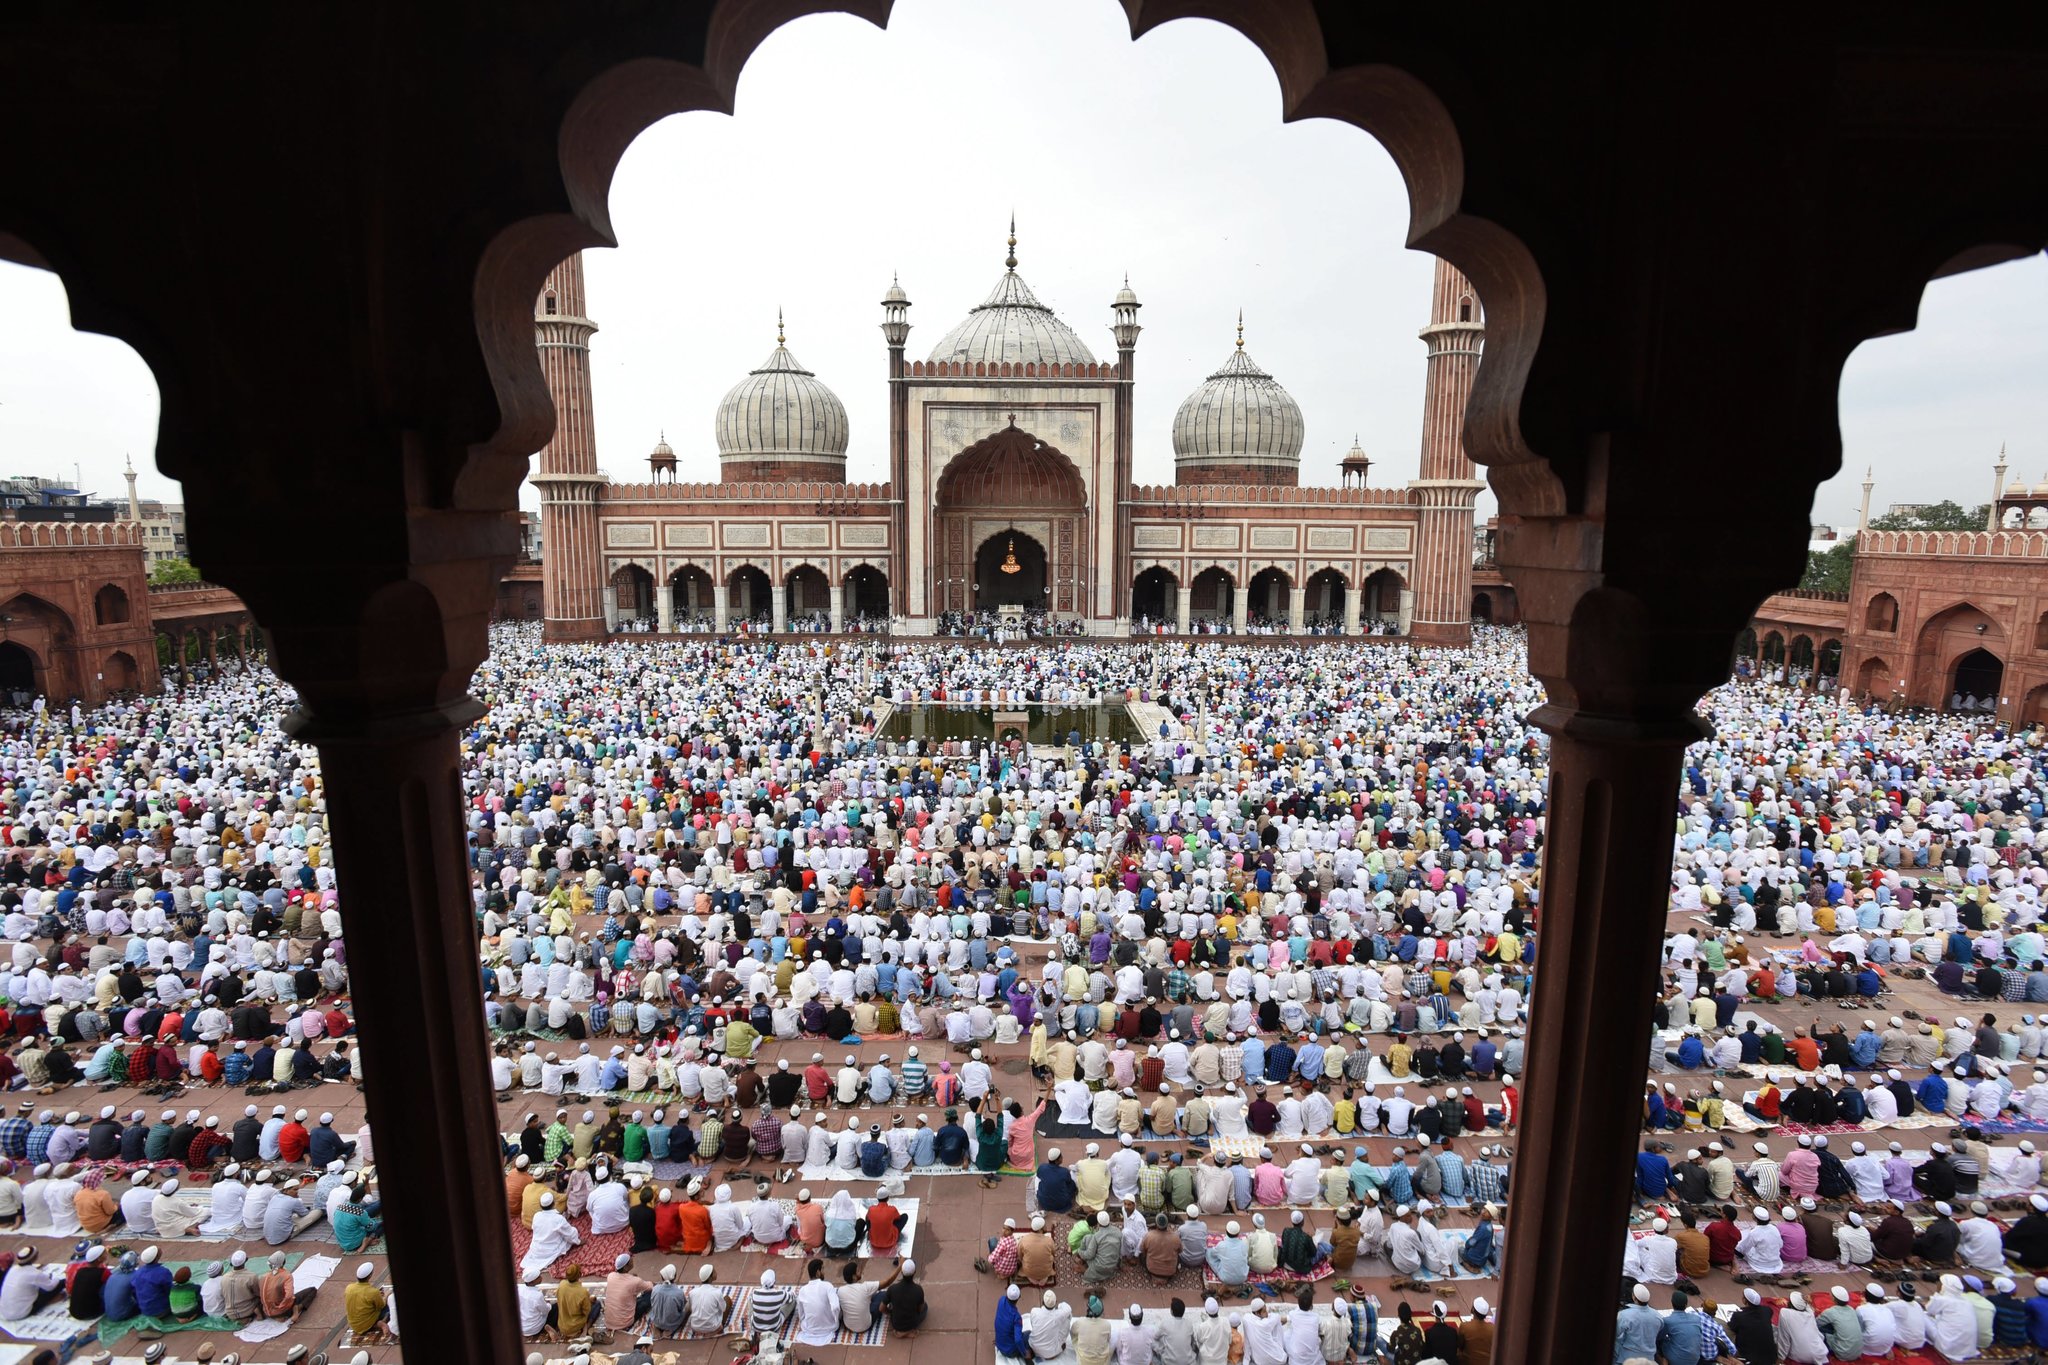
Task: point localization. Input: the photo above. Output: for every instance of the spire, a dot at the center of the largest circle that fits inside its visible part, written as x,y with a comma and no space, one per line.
1240,329
778,325
1011,259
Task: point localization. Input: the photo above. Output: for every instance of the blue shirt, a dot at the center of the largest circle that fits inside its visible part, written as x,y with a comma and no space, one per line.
1653,1178
1679,1339
1637,1329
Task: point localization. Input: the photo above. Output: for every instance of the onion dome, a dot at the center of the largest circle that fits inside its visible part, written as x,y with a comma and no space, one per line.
1355,464
1012,325
662,459
781,423
1240,426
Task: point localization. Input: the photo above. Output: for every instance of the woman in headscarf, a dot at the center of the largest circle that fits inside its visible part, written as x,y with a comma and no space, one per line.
844,1225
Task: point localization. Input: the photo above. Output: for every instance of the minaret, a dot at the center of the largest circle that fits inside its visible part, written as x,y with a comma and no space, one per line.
135,503
1447,490
1124,326
572,560
1990,517
1863,517
896,332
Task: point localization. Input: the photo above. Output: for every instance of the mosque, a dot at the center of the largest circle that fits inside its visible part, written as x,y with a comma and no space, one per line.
1010,490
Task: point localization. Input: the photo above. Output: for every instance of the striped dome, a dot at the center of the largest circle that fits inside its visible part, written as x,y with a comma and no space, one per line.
1240,418
781,413
1012,325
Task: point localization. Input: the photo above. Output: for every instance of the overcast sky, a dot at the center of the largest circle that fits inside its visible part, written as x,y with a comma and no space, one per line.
856,153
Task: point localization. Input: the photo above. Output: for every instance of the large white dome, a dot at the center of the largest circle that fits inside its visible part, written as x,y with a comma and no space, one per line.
781,413
1012,325
1240,419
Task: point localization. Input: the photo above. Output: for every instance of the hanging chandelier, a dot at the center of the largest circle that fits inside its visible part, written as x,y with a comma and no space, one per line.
1010,564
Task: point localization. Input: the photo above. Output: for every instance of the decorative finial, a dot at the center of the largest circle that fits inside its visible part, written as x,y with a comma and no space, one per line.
1013,419
1011,259
778,324
1240,329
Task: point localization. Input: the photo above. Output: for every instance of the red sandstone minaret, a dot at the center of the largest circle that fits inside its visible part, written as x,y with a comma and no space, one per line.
572,560
1447,489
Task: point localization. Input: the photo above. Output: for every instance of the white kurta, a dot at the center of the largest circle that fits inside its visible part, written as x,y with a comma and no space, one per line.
817,1314
553,1237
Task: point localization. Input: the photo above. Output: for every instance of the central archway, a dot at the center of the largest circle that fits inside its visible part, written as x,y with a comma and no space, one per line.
1009,571
1007,484
1975,680
17,670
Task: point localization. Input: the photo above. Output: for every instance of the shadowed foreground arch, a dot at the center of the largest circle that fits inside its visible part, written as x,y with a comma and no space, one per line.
1817,179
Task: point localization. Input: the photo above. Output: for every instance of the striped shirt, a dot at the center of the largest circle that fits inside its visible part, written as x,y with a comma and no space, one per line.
913,1077
1232,1062
769,1309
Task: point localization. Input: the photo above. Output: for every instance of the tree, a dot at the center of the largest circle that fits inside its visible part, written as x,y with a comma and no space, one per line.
168,571
1945,515
1828,570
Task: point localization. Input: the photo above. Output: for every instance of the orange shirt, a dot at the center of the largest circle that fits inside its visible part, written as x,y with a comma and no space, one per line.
696,1229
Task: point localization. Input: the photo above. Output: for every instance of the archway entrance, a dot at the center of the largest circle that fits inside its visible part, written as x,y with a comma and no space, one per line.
121,673
808,596
690,595
1380,597
1153,595
17,672
633,593
1973,685
1325,610
1009,571
1482,609
1009,487
748,598
867,594
1268,604
1210,599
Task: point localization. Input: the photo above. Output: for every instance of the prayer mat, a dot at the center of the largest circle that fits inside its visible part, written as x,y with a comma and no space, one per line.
1795,1129
596,1254
2013,1125
1246,1147
111,1332
908,1204
676,1170
874,1336
1050,1128
739,1300
53,1323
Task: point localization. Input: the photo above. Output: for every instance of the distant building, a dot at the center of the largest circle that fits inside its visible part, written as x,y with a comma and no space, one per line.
1010,489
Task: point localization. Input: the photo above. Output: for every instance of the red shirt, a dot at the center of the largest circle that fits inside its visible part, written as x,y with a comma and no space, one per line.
292,1142
1722,1236
882,1230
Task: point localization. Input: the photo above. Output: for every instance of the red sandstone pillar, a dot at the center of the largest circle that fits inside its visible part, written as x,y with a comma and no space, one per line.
572,560
1442,608
1606,883
395,809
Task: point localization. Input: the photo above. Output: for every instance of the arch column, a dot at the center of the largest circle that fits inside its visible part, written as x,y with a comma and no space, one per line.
665,606
1183,606
838,607
1297,607
720,597
1240,606
1350,611
381,660
778,607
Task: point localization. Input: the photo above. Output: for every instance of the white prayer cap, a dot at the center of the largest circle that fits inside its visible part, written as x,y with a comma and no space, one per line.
1092,1149
767,1279
1231,1228
1012,1294
1762,1149
365,1271
1642,1294
910,1267
621,1261
1873,1291
170,1187
1211,1307
547,1201
1749,1296
1761,1214
1658,1225
239,1259
149,1255
704,1274
1941,1207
